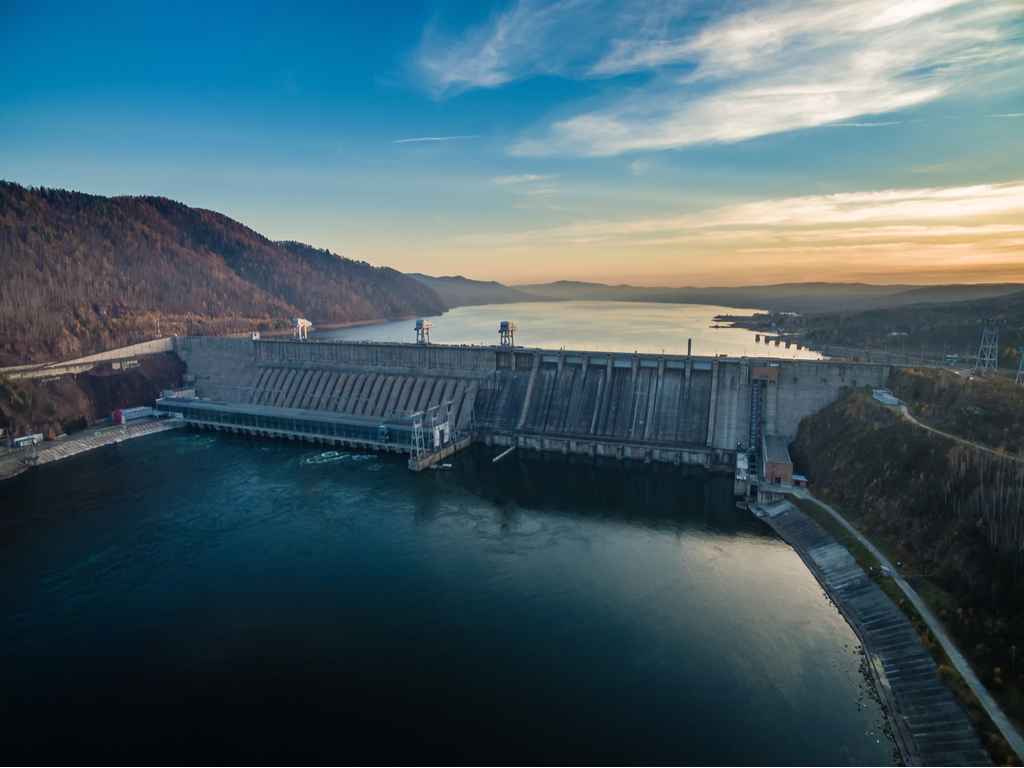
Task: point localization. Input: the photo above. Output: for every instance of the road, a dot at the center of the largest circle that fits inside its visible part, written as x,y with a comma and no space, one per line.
84,441
979,446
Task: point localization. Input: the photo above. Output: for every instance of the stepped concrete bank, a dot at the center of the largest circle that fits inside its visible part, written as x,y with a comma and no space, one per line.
72,446
667,408
929,726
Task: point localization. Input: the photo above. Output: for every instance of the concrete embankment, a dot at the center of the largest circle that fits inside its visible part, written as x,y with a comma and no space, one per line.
72,446
929,726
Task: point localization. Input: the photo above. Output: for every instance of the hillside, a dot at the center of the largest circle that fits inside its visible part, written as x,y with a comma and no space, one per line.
947,328
953,515
80,273
460,291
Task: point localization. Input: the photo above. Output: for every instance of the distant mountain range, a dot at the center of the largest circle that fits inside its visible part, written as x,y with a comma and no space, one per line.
462,292
784,297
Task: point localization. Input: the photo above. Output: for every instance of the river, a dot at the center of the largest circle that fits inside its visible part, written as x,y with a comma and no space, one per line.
188,597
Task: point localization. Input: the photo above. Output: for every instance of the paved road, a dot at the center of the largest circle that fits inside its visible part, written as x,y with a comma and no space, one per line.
84,441
979,446
991,707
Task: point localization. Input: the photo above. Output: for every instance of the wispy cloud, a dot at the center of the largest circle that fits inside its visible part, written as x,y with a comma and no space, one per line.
434,138
526,40
964,234
866,125
519,178
781,66
887,214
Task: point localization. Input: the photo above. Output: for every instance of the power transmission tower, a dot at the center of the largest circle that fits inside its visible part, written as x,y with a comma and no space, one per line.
988,353
1020,369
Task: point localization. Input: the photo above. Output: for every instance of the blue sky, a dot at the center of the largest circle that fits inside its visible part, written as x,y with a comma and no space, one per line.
681,143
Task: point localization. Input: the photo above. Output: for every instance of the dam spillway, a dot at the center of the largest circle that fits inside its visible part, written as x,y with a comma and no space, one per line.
680,409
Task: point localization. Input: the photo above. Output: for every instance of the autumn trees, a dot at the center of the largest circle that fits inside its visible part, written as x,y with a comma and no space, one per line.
80,272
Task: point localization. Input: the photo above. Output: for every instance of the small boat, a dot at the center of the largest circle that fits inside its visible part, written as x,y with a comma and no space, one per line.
118,441
444,467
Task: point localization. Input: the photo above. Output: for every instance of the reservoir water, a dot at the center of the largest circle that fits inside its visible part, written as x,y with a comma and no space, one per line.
185,597
614,326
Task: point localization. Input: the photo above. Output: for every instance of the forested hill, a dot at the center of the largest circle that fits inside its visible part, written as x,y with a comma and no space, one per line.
80,273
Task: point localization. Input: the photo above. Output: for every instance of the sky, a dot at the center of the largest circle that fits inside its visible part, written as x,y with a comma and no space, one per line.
637,141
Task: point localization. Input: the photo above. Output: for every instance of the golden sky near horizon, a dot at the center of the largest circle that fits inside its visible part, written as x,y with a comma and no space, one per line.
652,142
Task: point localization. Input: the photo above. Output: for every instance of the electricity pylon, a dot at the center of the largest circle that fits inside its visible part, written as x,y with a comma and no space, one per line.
988,353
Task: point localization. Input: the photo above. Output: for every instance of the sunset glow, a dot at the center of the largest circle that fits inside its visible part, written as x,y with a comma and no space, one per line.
648,143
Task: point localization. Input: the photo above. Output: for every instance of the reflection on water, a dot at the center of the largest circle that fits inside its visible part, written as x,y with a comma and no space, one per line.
591,325
227,599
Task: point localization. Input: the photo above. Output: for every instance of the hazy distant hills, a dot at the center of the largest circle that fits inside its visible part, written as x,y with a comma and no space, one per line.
81,272
459,291
783,297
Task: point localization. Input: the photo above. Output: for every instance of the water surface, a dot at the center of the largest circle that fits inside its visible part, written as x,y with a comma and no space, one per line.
195,598
615,326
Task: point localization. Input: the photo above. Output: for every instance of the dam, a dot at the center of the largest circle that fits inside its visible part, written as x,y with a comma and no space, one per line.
431,399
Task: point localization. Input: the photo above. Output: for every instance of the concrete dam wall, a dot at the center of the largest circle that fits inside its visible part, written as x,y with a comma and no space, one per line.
679,409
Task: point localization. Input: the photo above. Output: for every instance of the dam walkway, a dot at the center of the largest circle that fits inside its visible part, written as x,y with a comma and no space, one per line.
928,723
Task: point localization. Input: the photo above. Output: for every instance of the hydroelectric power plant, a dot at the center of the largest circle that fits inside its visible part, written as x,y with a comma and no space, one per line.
429,400
426,402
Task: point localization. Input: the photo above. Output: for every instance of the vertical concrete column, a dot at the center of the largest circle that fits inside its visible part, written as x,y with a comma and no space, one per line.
586,363
714,403
654,402
561,361
771,408
529,390
686,385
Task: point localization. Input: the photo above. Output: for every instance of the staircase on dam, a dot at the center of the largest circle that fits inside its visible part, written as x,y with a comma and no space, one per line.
667,408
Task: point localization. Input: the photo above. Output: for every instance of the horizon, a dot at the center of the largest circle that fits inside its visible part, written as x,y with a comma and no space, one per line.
651,145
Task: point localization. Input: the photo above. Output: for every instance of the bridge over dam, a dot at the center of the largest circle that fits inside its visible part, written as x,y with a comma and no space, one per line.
679,409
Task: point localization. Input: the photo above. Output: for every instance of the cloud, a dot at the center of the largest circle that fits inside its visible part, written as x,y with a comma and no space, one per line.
519,178
640,166
867,125
923,235
965,212
527,40
434,138
779,66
